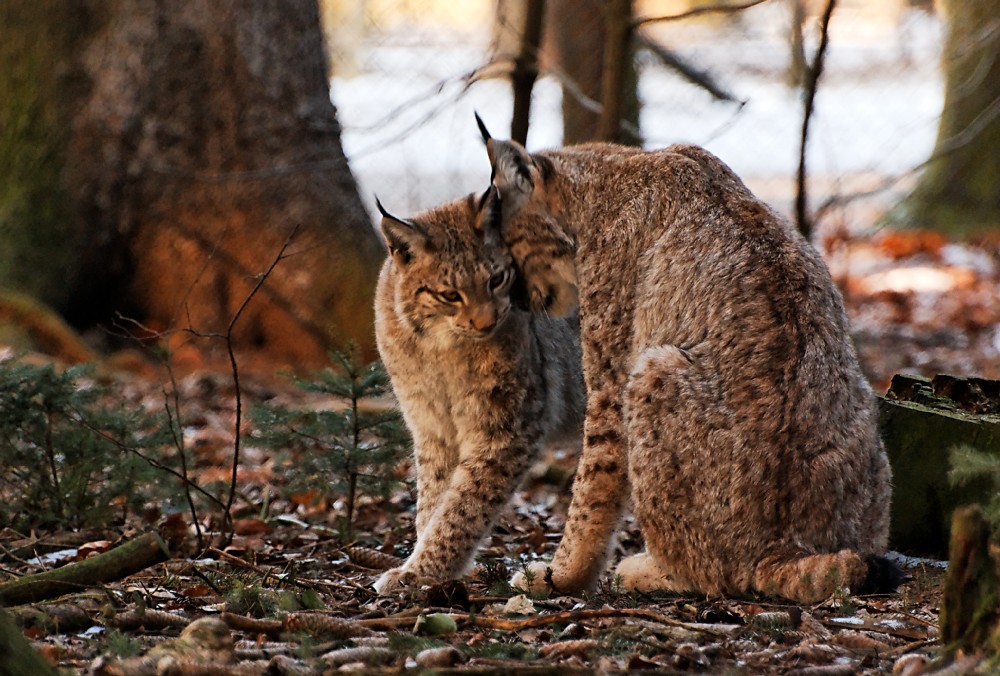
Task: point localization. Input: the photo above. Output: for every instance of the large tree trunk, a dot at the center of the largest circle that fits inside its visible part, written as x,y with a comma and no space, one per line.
38,72
195,139
957,192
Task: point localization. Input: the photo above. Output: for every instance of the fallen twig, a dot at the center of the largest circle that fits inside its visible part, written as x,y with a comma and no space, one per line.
124,560
568,616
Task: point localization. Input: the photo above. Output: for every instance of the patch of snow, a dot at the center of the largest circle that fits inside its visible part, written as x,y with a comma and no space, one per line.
891,623
409,135
53,557
919,278
904,561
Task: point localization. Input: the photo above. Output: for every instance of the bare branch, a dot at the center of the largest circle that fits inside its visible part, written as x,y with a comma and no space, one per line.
696,12
261,278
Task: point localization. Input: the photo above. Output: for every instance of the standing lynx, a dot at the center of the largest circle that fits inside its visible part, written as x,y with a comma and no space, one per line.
722,385
482,383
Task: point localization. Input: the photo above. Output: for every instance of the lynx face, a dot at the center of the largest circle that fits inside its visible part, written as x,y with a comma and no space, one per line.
455,274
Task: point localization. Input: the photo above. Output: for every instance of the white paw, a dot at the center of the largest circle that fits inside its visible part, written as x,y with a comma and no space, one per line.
532,579
394,579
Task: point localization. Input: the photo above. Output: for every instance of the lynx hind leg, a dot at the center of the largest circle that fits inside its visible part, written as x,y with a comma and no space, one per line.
645,573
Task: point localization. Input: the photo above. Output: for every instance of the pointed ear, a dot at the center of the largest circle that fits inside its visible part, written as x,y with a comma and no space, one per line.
402,237
514,173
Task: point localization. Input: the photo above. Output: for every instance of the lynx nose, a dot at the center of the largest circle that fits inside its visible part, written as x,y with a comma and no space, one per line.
483,318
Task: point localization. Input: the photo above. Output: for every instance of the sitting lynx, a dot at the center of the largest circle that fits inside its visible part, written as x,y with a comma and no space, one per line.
722,385
482,383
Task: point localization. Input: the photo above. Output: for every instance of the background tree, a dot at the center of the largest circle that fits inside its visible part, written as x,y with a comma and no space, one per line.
155,158
577,33
957,192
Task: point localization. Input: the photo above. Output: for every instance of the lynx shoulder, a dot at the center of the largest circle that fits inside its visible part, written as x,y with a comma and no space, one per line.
724,392
482,383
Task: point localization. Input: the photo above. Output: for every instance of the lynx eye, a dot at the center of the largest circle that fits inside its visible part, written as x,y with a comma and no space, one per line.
450,296
499,279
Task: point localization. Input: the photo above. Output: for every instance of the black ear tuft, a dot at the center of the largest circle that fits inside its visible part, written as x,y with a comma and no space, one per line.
482,128
401,237
491,210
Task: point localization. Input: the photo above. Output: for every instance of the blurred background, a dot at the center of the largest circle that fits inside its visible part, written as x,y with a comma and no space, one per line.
408,74
177,176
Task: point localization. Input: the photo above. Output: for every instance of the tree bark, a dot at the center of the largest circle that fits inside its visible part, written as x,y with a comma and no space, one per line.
957,192
196,138
42,82
16,654
921,420
577,32
526,70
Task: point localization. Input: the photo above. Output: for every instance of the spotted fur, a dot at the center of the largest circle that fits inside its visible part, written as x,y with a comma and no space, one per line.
723,389
482,383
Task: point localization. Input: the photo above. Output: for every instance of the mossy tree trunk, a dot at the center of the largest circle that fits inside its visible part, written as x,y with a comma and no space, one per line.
170,150
42,82
957,192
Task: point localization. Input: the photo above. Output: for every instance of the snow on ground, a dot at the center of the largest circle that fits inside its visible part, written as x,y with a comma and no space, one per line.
409,133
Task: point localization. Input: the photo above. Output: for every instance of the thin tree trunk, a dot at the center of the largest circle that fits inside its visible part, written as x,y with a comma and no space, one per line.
617,54
576,30
797,66
526,69
809,97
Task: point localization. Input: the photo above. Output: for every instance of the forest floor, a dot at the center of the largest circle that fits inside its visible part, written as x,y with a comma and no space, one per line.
291,592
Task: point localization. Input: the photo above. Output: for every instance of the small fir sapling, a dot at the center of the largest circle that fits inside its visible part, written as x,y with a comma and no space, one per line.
64,447
975,468
344,451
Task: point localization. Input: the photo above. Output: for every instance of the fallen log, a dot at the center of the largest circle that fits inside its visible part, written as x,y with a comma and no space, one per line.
124,560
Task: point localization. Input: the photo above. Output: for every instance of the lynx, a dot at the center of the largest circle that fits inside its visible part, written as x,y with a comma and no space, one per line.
723,389
482,383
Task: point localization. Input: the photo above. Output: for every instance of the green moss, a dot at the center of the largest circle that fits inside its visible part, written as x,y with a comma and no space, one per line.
39,83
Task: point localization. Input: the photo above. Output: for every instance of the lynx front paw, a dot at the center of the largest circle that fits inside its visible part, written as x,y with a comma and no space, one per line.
395,579
534,579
